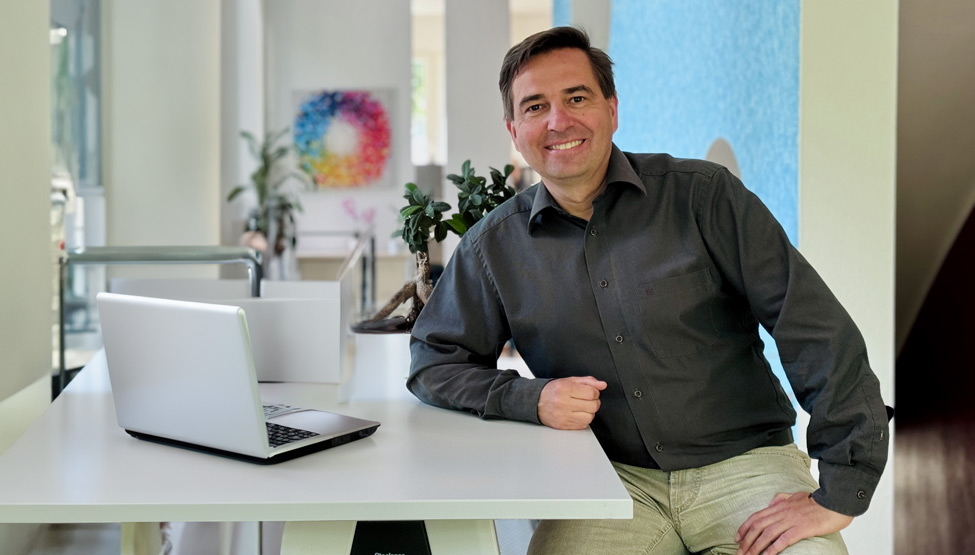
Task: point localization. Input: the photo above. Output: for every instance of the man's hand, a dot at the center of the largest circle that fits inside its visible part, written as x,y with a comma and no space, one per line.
570,403
790,517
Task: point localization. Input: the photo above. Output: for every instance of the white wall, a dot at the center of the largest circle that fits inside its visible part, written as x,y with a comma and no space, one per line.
593,16
847,155
162,108
475,116
332,44
26,273
935,143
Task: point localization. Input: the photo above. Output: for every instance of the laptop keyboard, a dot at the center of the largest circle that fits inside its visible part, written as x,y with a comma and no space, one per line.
278,435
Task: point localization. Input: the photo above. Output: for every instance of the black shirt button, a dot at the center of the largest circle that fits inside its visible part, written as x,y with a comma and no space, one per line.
619,338
659,447
861,494
603,283
638,394
593,232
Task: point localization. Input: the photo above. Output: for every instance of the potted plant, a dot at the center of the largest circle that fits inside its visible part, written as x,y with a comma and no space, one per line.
271,225
423,219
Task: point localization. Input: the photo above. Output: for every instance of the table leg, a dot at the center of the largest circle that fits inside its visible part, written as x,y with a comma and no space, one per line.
141,538
318,538
453,537
462,537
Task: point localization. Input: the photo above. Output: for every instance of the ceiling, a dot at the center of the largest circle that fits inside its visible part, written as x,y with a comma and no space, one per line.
533,7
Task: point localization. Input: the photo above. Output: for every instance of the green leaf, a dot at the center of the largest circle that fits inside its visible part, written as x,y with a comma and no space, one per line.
440,232
408,211
279,153
236,191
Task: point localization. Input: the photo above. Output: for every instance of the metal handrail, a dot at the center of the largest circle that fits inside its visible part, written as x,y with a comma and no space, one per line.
151,255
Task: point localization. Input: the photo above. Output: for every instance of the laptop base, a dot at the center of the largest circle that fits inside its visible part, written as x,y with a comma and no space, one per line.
286,456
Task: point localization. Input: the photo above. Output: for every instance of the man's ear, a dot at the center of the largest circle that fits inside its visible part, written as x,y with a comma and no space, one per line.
511,129
614,104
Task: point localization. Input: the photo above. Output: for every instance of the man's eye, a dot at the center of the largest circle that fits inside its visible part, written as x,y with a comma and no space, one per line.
577,99
534,108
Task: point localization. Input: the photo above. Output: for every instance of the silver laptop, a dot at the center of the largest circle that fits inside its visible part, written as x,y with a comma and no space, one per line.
183,374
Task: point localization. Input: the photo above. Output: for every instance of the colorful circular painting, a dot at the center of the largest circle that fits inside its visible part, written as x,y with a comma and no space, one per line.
342,138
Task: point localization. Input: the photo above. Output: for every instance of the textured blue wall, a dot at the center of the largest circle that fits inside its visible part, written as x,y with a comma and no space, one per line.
561,13
691,71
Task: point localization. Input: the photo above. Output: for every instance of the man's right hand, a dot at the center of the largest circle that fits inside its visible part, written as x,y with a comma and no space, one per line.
570,403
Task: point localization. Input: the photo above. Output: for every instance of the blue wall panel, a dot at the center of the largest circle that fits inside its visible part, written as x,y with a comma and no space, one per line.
561,13
691,71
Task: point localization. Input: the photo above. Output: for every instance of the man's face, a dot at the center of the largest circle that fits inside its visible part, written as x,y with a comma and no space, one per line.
562,124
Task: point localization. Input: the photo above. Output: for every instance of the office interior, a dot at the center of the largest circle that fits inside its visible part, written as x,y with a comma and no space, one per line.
852,120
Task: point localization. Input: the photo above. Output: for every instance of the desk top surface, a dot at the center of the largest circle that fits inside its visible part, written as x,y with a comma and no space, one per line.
76,465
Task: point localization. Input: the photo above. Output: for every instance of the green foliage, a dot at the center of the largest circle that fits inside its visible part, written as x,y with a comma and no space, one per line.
475,197
423,216
266,182
420,216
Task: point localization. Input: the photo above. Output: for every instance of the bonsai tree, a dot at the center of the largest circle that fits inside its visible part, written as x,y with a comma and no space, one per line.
423,218
275,203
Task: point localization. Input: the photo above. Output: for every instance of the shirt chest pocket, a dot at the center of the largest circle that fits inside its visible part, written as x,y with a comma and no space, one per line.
677,313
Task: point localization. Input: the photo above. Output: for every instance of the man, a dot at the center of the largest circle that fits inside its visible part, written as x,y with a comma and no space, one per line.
633,285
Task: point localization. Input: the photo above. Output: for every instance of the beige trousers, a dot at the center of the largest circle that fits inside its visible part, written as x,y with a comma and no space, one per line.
690,511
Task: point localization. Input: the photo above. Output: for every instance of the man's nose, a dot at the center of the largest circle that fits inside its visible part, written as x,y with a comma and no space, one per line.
559,118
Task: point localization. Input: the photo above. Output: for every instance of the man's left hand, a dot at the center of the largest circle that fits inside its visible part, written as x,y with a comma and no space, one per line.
790,517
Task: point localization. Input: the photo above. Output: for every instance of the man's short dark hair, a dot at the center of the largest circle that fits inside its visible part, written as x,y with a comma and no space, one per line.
546,41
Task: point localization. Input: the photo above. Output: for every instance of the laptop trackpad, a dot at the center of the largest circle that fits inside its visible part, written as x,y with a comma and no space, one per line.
322,423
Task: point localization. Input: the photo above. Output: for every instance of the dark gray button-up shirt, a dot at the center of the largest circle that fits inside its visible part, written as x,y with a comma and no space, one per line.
660,294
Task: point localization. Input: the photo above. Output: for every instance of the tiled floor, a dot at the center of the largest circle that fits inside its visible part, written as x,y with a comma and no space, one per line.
78,539
99,539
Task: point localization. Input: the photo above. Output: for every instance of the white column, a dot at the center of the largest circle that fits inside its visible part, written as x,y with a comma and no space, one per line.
26,273
162,84
242,109
27,270
847,165
476,40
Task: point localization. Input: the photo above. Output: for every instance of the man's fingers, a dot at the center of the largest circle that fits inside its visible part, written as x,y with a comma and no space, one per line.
759,537
788,519
584,387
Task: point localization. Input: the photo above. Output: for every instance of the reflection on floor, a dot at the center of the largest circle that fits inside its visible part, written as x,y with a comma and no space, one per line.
934,466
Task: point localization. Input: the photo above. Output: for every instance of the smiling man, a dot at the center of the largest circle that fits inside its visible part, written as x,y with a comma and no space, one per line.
634,286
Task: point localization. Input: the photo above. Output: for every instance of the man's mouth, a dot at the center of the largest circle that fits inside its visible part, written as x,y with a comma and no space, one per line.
565,146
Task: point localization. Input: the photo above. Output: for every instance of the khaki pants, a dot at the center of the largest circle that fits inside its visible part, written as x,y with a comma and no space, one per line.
690,511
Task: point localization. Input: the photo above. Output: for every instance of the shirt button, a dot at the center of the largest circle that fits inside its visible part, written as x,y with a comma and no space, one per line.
659,447
593,232
603,283
861,494
619,338
638,394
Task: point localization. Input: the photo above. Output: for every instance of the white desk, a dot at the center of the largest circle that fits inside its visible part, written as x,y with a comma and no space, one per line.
76,465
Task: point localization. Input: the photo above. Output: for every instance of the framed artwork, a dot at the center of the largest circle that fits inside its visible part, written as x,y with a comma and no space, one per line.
343,137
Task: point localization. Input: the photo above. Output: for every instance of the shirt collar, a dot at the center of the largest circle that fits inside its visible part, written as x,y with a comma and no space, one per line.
619,171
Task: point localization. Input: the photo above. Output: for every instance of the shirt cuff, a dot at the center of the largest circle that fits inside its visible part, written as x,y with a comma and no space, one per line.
520,401
845,489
